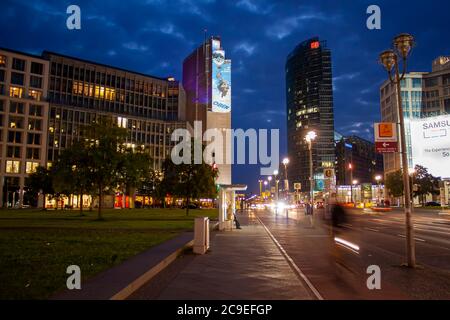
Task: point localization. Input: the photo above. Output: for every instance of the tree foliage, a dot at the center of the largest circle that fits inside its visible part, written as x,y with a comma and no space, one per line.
426,183
41,181
394,183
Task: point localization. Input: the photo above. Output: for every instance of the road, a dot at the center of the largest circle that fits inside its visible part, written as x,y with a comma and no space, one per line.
338,270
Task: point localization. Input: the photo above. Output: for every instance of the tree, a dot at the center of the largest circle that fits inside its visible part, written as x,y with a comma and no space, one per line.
151,185
394,183
71,172
105,146
426,182
190,181
134,167
41,181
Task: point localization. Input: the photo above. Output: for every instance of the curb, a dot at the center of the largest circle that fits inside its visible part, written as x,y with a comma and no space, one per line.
147,276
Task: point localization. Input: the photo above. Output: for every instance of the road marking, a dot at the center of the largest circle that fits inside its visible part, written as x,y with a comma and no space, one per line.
371,229
292,263
417,239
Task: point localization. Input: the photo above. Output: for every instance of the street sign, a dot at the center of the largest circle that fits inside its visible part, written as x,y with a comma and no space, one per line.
386,138
386,132
297,186
328,173
386,147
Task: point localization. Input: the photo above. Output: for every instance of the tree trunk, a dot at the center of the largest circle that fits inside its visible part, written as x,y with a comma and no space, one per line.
100,198
80,202
187,205
43,201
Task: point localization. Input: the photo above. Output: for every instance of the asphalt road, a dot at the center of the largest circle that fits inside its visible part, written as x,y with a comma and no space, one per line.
339,270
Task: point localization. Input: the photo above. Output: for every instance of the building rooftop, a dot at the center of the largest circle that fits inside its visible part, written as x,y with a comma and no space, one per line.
45,56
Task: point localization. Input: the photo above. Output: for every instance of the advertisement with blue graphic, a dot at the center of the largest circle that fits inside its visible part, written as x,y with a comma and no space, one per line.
221,82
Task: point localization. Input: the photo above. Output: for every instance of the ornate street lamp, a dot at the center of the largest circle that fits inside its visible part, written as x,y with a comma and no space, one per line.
390,59
310,137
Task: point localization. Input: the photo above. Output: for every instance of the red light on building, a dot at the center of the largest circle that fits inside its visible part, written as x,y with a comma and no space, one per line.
315,45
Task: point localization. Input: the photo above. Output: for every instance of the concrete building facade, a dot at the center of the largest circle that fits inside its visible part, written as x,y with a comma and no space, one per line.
23,122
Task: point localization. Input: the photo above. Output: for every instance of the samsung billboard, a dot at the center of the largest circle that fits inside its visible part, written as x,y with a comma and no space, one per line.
221,82
430,140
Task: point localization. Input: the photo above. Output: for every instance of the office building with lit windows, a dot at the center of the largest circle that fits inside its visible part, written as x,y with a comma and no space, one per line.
412,93
356,160
23,122
309,93
47,100
80,91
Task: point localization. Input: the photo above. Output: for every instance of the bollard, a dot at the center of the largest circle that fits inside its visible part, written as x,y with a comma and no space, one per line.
201,235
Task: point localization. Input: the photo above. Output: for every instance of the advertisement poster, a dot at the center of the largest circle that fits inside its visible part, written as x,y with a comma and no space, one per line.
221,82
430,139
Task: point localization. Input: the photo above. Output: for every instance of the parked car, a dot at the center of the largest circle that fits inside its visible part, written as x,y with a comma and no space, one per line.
432,204
192,206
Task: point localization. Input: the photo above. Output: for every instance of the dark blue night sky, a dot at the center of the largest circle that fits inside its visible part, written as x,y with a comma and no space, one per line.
154,36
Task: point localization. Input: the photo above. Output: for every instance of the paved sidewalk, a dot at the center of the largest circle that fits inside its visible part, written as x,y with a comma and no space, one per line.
243,264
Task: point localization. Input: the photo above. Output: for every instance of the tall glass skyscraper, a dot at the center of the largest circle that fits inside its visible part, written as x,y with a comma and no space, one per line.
310,107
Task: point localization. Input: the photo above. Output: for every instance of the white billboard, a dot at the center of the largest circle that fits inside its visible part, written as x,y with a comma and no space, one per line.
430,140
221,82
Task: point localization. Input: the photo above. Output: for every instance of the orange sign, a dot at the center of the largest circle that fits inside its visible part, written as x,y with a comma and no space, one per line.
386,130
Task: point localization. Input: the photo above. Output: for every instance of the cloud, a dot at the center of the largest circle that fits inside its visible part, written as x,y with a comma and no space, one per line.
169,29
251,6
111,53
347,76
245,47
105,20
134,46
284,27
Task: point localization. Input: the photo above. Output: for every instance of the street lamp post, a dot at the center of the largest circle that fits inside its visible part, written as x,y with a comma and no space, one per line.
310,137
269,178
354,183
378,179
286,181
403,45
275,173
260,188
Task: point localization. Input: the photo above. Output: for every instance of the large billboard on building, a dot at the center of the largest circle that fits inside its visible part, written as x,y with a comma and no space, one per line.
221,81
430,139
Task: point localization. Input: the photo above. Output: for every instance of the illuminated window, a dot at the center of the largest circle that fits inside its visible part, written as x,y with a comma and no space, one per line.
34,124
2,61
110,94
12,166
122,122
36,95
16,123
31,167
15,92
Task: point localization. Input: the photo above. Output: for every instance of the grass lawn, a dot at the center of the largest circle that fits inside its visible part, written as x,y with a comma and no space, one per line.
37,246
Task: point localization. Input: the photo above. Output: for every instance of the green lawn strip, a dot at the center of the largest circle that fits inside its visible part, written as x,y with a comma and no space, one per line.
36,247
